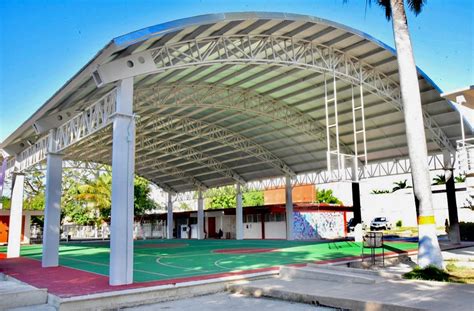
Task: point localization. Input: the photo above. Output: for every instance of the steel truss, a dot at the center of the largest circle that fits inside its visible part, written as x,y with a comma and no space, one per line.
380,169
94,118
230,98
288,52
217,134
168,147
248,49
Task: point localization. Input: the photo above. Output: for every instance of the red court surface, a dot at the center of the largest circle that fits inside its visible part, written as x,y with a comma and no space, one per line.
69,282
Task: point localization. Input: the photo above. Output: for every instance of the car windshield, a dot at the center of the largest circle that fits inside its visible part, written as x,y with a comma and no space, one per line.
379,219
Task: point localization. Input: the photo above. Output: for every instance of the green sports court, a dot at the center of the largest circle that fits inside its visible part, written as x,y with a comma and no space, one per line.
156,260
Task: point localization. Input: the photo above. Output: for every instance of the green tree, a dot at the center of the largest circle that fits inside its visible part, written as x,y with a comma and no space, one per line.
252,198
142,199
97,194
225,197
6,202
429,252
35,202
326,196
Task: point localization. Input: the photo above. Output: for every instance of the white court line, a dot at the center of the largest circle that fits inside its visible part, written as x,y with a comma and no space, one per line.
158,261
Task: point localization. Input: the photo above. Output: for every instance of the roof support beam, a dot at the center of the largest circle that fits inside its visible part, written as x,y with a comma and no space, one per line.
217,134
180,151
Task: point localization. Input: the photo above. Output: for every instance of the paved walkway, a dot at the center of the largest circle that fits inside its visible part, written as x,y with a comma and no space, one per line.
388,295
225,301
461,254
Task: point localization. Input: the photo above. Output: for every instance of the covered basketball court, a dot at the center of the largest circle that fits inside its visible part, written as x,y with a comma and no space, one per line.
256,100
85,266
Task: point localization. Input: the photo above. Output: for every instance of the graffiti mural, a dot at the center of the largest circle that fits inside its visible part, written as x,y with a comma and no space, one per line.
318,225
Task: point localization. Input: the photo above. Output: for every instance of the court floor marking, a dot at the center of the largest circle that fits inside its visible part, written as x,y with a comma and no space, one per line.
217,263
107,265
84,261
69,267
152,272
212,252
158,261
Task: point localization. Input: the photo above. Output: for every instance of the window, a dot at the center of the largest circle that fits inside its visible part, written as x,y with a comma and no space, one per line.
253,218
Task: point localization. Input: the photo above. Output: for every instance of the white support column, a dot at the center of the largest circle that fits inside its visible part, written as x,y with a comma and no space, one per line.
239,216
169,217
16,210
27,232
52,211
289,209
123,162
200,217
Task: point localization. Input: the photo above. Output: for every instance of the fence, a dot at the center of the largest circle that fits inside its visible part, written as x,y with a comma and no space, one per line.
155,230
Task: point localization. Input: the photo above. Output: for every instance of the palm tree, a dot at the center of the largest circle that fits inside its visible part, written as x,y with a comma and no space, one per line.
97,192
402,184
429,252
439,180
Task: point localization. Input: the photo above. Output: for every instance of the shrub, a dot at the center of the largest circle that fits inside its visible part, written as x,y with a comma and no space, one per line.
430,273
399,223
466,229
377,191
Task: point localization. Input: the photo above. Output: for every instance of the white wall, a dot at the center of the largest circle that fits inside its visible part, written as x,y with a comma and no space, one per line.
400,205
252,230
275,230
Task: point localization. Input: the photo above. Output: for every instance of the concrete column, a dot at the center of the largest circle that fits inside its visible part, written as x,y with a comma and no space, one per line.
356,203
200,217
16,210
239,216
52,211
454,234
289,209
169,217
123,162
27,233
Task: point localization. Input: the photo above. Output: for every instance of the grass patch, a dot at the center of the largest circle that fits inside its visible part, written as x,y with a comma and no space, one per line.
430,273
460,274
453,273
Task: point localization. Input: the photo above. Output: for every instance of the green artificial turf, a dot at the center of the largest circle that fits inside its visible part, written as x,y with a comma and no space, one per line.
187,258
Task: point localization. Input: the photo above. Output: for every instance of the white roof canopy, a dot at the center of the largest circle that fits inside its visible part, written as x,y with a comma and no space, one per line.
232,98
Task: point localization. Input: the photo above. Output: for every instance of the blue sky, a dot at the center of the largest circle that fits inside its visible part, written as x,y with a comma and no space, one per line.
44,43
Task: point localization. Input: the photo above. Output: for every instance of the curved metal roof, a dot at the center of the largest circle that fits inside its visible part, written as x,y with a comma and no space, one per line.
237,97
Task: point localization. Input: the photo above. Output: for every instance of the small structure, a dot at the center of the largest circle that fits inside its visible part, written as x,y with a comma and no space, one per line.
373,240
26,234
311,221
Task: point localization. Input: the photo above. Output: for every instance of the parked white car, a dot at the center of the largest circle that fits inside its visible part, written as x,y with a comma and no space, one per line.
380,223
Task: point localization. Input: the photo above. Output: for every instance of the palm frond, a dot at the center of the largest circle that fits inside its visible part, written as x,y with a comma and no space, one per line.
416,6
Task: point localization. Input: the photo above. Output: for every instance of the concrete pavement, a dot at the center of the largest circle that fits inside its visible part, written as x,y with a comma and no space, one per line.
384,294
226,301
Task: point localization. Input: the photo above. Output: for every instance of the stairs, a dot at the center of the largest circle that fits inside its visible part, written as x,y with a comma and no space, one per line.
19,296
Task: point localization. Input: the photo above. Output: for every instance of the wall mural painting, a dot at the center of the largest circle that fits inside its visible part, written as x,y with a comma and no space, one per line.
318,225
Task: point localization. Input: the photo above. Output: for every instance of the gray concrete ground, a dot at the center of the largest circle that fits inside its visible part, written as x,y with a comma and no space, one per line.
389,295
226,301
388,292
460,257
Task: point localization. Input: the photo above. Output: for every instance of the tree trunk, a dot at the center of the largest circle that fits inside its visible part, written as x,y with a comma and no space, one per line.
428,247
